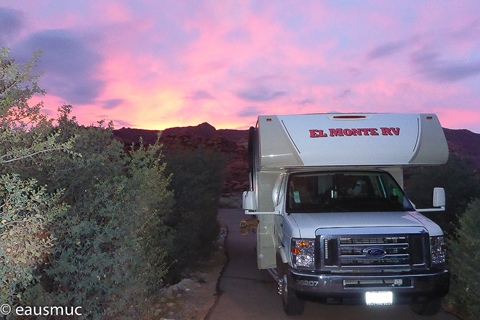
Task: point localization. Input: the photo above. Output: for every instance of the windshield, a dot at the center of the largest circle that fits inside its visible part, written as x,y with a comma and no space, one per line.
345,192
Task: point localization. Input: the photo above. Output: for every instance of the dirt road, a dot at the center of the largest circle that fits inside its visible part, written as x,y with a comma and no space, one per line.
249,293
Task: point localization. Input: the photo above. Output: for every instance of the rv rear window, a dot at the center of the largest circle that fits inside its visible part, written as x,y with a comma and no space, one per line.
348,191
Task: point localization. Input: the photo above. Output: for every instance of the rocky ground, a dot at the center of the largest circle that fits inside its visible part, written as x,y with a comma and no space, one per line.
194,296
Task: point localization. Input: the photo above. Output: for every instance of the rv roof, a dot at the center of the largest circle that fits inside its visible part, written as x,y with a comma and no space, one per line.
336,139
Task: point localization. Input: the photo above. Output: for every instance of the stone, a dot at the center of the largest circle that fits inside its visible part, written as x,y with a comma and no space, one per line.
185,284
172,292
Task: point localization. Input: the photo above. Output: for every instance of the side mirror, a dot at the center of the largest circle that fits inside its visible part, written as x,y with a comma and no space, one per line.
250,204
438,201
439,197
249,201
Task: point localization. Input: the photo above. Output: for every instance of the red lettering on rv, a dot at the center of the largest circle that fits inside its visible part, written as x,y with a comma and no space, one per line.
336,132
339,132
390,131
365,131
386,131
356,132
317,134
373,131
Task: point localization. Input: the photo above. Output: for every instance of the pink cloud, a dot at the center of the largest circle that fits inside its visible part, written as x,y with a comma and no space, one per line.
182,63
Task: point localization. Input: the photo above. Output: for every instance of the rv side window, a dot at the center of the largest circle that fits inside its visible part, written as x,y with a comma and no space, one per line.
345,191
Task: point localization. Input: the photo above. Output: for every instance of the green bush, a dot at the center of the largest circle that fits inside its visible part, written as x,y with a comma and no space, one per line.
27,208
108,255
464,261
98,243
196,181
26,212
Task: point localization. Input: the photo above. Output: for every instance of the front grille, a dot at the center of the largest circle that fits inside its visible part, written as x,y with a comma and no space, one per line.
373,253
377,283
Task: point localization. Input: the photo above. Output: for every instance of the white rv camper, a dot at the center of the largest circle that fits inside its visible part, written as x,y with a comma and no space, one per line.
335,223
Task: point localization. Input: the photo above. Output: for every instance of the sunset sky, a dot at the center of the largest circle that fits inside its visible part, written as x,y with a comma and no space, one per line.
159,64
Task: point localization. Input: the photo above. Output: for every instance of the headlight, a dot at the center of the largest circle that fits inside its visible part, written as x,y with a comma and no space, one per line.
303,253
438,249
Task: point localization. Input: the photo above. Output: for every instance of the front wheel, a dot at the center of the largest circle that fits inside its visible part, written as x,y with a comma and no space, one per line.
292,304
426,306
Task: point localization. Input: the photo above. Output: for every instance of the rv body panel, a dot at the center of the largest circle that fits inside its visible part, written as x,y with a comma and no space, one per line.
327,189
332,139
308,223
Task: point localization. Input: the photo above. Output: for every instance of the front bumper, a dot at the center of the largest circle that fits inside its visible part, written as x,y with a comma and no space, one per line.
341,285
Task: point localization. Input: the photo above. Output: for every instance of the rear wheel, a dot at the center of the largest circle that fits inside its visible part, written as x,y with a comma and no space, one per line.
292,304
424,306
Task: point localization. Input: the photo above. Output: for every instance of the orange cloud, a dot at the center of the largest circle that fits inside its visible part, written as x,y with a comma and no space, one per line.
183,63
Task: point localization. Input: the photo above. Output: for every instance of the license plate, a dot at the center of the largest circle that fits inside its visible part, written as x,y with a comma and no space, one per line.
382,298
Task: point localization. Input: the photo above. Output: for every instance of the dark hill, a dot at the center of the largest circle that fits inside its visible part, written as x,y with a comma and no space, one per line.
464,143
232,144
204,130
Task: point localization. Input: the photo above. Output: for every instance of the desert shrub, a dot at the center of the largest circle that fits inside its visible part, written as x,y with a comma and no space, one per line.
81,221
108,255
99,241
464,261
26,211
26,207
196,181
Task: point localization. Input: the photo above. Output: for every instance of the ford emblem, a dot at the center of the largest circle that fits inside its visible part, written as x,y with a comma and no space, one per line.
374,252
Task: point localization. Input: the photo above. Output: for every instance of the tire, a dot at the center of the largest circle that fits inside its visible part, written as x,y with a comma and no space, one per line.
426,306
292,304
